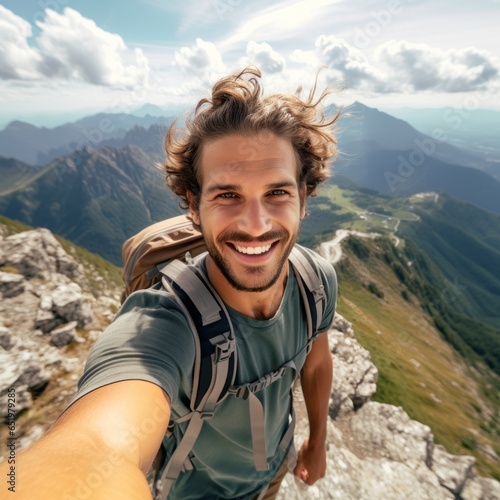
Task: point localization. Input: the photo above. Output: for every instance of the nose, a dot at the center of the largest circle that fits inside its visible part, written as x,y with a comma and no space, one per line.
254,218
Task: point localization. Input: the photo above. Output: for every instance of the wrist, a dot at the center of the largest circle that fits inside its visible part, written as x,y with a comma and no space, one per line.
316,443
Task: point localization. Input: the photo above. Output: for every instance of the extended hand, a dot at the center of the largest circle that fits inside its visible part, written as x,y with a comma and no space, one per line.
311,463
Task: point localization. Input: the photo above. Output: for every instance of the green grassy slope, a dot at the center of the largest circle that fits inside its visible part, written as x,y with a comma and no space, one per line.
418,368
459,282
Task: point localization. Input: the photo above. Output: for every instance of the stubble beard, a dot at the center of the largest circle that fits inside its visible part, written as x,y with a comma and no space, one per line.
267,280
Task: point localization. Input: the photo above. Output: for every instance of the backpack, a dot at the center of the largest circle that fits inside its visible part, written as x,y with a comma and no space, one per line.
164,252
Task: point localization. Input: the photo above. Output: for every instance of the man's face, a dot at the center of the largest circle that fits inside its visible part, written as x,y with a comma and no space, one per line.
250,207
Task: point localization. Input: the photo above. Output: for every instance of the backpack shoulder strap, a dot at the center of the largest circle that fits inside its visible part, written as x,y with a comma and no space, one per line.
309,278
215,359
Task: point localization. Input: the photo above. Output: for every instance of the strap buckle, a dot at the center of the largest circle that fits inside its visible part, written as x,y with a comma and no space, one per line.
224,348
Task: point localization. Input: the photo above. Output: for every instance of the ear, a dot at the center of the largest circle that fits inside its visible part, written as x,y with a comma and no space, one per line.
193,207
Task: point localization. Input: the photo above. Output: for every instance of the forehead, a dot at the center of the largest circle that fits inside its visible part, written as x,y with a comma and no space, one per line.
252,157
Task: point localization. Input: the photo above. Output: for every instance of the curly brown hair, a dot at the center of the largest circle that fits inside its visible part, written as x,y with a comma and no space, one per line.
237,105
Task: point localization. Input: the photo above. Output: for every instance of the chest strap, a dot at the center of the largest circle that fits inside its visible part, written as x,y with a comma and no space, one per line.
257,426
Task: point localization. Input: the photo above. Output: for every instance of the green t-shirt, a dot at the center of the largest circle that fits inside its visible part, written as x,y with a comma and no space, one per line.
150,340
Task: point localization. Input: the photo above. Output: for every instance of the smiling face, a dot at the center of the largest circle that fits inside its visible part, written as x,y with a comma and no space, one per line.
249,210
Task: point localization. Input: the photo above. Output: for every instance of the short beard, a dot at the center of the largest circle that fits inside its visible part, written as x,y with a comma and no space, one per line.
228,273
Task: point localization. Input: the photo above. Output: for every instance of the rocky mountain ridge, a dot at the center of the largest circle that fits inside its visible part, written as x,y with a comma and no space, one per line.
94,198
40,145
51,313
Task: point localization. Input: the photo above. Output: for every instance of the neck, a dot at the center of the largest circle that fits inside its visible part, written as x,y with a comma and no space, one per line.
257,305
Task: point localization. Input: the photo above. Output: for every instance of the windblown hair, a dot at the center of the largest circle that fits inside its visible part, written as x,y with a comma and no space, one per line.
237,105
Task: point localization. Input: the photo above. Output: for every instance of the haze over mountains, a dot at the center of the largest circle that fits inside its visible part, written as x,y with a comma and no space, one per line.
39,145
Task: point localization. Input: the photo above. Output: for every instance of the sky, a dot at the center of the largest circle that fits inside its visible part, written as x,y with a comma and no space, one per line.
62,59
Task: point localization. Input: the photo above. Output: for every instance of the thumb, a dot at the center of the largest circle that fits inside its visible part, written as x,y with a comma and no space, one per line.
300,477
304,475
301,472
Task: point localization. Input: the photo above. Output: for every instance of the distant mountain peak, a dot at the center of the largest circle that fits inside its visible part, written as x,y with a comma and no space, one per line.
149,109
17,125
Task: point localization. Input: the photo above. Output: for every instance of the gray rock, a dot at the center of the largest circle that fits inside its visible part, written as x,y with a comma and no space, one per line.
37,253
481,488
45,302
69,303
11,284
64,335
355,376
34,376
46,320
6,339
451,470
387,431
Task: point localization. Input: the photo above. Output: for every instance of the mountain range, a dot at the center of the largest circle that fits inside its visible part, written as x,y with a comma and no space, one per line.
436,255
364,129
95,198
39,145
377,151
387,155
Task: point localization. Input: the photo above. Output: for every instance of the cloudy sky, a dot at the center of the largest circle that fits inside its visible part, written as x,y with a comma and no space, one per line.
68,58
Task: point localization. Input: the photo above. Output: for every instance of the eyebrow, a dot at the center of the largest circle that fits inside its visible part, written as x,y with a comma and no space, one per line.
238,187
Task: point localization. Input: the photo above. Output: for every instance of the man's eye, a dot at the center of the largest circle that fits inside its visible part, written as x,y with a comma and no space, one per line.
226,195
278,192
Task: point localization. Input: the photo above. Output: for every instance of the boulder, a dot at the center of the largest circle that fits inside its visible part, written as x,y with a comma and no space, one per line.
37,253
70,304
451,470
64,335
387,431
11,284
34,376
46,320
6,339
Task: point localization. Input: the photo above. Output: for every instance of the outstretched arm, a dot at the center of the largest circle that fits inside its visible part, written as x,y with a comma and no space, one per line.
316,378
100,448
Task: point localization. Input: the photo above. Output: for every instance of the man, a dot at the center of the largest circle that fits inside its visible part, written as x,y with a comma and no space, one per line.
243,167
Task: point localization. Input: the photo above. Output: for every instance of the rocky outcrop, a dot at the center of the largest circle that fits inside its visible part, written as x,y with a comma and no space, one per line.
49,319
46,305
375,450
37,254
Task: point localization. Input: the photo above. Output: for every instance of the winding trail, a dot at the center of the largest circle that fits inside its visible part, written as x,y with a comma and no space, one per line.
332,250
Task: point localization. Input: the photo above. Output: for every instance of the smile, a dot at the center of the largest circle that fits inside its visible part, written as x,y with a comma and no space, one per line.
253,250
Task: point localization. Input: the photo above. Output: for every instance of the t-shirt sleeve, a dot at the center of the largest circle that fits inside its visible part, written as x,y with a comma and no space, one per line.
149,340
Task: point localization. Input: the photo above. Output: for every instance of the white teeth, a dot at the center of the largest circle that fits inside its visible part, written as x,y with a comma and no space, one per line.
253,250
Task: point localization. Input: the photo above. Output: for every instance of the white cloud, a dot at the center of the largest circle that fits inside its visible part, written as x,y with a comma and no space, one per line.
404,67
347,63
70,47
201,60
264,57
417,67
306,57
76,48
17,59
